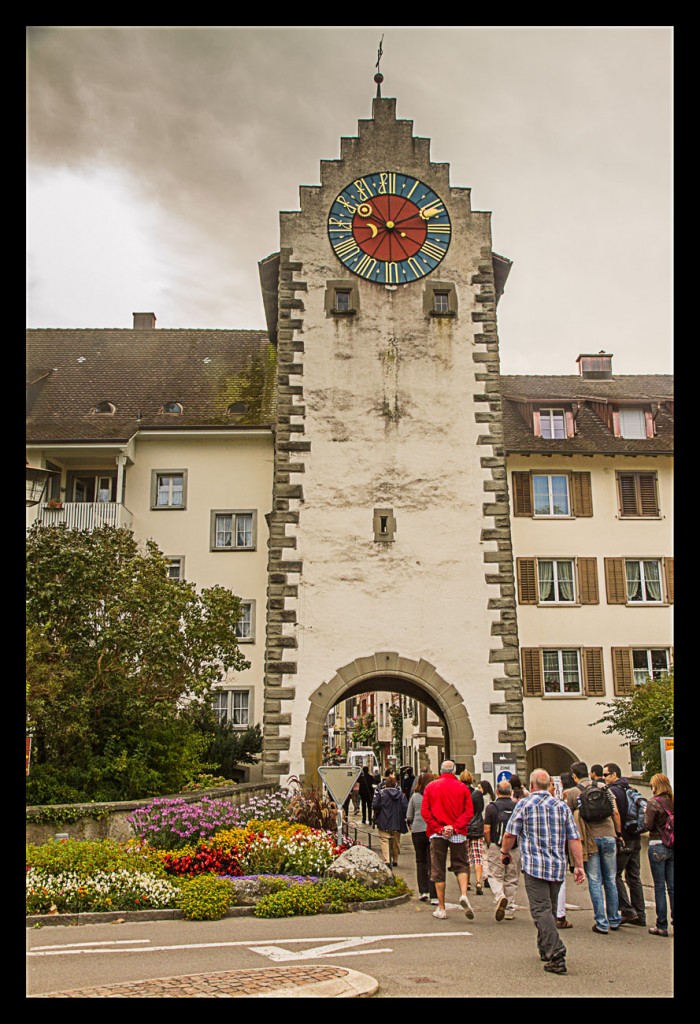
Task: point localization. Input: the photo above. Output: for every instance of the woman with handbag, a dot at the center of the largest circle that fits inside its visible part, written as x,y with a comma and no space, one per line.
658,818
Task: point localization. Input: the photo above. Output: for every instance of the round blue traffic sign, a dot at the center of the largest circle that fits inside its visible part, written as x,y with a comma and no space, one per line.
504,776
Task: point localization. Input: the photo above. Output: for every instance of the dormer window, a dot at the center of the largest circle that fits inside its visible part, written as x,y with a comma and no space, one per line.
552,423
633,423
172,407
105,408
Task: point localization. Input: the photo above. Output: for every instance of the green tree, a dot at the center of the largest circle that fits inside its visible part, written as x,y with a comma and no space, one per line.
643,718
118,658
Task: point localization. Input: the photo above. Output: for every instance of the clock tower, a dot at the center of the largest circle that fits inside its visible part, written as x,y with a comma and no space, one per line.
390,563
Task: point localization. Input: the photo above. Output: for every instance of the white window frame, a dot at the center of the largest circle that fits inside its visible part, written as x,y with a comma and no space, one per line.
224,705
551,514
556,582
649,672
547,416
248,620
169,505
561,692
644,582
234,515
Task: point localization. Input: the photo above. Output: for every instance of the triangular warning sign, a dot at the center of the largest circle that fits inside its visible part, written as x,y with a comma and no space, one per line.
339,778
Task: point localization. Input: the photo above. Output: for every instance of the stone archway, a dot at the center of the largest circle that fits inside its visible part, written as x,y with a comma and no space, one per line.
553,757
387,670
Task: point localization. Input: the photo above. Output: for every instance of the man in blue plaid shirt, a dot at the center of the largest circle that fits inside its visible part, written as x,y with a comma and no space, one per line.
543,826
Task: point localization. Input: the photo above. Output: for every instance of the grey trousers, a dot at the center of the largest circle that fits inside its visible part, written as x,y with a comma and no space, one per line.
542,896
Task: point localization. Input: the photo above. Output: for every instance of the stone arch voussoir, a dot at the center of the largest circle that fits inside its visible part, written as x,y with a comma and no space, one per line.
389,667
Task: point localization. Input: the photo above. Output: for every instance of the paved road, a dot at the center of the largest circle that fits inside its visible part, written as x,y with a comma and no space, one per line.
407,951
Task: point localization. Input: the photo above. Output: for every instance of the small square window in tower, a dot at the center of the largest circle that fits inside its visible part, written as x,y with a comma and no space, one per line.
441,302
342,301
384,525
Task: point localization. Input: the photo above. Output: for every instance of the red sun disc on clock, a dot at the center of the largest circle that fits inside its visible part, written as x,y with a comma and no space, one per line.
389,228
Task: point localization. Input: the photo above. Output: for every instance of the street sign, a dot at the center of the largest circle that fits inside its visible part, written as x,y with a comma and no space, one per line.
504,766
339,778
667,757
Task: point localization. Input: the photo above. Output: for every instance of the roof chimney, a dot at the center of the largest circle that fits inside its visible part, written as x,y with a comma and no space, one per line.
595,367
144,321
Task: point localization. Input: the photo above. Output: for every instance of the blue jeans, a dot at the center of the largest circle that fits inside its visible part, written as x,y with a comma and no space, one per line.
661,864
601,869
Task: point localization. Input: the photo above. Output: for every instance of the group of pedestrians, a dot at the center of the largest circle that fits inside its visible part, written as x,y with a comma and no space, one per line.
587,823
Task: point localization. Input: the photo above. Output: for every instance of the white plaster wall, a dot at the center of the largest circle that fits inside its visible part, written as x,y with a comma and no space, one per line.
226,472
425,595
566,720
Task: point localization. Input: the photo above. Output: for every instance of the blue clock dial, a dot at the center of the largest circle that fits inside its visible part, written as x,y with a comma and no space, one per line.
389,228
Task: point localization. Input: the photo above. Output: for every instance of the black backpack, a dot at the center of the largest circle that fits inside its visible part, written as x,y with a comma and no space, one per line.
633,824
595,803
499,828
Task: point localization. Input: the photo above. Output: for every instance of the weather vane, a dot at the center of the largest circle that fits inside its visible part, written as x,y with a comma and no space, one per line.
379,77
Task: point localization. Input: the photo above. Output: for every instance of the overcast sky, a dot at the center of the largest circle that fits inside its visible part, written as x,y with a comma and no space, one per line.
159,159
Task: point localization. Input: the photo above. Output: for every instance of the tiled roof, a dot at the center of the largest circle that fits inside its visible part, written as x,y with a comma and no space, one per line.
70,371
593,435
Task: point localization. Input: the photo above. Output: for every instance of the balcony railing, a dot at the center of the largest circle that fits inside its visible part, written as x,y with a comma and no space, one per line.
84,515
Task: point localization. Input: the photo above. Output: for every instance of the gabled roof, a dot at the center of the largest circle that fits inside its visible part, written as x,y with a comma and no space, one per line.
593,436
70,371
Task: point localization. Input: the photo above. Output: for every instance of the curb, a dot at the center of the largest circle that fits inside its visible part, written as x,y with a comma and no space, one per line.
321,982
130,916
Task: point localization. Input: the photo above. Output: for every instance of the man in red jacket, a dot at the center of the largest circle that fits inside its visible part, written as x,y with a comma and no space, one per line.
447,810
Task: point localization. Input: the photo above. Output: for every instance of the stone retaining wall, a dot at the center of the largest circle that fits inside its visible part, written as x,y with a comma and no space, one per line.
114,824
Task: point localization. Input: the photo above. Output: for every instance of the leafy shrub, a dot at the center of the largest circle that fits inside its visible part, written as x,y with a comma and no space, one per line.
86,857
204,781
71,893
206,898
293,900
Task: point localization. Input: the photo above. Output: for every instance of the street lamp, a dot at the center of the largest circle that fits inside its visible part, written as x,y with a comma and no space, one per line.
37,478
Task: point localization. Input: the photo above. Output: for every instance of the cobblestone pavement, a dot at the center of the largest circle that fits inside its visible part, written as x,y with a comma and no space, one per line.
263,982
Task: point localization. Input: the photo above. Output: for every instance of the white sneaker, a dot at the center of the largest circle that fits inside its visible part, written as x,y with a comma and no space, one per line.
510,916
424,896
466,907
434,903
442,914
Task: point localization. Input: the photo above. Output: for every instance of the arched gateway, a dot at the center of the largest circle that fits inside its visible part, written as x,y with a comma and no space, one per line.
389,671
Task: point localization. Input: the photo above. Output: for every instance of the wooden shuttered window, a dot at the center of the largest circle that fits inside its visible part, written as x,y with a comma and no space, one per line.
615,581
581,496
637,494
522,494
527,580
623,672
587,581
532,671
587,569
668,566
593,678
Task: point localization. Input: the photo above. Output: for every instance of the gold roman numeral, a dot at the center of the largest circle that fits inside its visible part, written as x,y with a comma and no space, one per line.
364,189
431,250
387,183
392,273
348,206
366,266
346,249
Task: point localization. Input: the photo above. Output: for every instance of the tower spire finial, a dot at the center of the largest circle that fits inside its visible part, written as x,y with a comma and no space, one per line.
379,77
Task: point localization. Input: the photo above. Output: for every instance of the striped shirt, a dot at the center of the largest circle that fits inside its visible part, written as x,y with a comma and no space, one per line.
543,825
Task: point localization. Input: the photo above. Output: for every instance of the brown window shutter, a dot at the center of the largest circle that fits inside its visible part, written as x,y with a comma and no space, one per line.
647,494
532,672
581,498
615,581
587,580
623,676
527,581
593,679
668,564
628,494
522,494
536,423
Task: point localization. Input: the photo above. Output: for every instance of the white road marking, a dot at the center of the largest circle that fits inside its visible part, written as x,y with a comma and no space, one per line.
250,943
114,942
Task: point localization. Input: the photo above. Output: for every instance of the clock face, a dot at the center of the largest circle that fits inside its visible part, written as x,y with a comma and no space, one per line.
389,228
